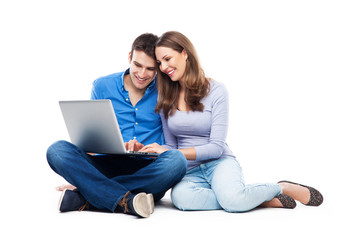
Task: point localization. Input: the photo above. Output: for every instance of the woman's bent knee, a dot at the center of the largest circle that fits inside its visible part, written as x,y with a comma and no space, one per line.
235,203
178,198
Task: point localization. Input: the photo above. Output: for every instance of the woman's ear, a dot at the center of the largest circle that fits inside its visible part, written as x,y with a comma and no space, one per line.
185,54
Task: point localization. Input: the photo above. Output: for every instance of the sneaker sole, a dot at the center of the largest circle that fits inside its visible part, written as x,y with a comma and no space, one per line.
142,205
151,201
61,199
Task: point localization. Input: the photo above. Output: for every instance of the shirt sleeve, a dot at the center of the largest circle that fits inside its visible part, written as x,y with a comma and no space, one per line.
94,92
170,139
219,126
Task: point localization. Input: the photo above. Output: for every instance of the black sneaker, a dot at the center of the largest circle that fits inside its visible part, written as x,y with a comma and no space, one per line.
138,205
72,200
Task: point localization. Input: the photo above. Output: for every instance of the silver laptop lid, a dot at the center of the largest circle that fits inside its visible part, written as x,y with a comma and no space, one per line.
92,126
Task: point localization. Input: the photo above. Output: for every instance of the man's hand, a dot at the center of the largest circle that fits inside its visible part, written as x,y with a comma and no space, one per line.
133,145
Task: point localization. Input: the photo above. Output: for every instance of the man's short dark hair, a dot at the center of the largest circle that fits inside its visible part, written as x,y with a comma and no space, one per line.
146,43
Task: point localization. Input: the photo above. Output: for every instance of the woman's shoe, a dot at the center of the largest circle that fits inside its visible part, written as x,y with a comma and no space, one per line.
286,201
316,198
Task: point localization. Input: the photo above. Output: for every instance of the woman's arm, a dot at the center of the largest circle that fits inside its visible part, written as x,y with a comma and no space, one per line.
219,125
170,143
170,139
189,153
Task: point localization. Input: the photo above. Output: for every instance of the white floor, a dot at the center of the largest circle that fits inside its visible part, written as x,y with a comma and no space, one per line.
32,212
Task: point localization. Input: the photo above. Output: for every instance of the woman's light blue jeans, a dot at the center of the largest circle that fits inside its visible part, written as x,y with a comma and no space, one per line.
218,185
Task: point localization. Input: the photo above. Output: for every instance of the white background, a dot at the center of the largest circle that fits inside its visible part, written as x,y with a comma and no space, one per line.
288,66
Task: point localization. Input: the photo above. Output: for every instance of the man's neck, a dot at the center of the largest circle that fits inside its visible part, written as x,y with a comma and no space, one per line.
135,94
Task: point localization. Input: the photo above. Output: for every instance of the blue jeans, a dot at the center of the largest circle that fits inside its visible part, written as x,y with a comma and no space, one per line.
103,180
218,185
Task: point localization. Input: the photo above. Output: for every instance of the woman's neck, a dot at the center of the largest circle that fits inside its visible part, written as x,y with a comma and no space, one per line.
182,84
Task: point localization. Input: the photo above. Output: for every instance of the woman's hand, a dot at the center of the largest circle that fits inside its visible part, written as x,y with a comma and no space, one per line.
154,148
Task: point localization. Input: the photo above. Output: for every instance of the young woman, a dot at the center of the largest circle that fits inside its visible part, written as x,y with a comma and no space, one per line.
194,113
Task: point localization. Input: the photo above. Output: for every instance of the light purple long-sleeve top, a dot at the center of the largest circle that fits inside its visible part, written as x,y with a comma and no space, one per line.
205,131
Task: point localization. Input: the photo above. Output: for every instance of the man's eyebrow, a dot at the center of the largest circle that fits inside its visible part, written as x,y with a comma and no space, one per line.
140,65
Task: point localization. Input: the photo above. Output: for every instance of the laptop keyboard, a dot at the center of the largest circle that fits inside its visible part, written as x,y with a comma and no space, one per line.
137,152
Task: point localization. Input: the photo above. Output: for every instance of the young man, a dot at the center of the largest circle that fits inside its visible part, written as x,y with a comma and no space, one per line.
116,183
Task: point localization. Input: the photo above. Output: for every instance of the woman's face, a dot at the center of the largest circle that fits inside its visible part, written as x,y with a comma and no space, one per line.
171,62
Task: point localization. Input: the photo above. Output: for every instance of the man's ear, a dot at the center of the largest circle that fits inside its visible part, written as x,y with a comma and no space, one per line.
130,57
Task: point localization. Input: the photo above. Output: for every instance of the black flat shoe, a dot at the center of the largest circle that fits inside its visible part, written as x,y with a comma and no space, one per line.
316,198
286,201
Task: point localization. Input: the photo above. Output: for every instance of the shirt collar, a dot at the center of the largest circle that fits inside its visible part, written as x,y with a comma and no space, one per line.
121,86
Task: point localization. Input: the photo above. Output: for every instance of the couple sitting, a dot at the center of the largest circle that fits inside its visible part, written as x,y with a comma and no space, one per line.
165,104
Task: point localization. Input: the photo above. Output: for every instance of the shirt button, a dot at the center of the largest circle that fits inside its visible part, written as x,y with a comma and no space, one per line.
136,123
136,109
127,99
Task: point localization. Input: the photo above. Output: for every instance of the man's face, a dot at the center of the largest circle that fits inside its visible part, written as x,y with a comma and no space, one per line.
142,69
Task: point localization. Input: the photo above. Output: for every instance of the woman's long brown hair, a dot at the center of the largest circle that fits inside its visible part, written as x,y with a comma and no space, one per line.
196,83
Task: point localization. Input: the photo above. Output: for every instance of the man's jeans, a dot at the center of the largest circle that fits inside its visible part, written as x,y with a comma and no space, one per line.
104,179
219,185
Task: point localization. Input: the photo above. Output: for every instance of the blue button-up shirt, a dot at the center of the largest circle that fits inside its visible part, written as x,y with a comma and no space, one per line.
140,122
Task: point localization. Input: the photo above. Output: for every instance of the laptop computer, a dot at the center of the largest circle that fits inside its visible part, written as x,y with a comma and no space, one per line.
92,125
